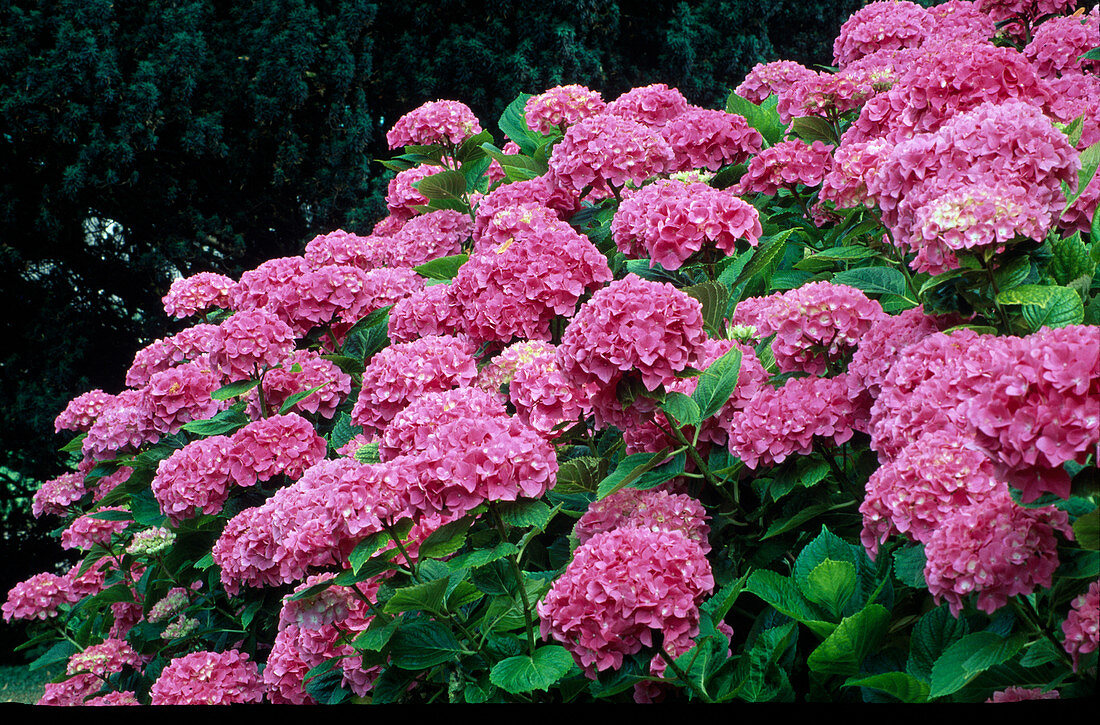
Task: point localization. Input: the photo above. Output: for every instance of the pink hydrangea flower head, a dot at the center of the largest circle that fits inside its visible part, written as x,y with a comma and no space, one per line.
82,411
607,151
439,233
1022,694
653,509
87,531
778,423
39,597
652,105
1058,43
702,138
768,79
1023,11
343,248
1041,408
620,587
404,371
786,165
249,341
263,449
197,293
1082,625
500,371
171,604
669,221
436,122
540,190
427,311
845,185
208,678
890,24
301,371
410,429
830,95
197,476
960,19
71,692
317,296
263,285
993,550
931,478
58,494
884,341
381,287
495,173
180,395
113,699
402,196
544,397
124,424
516,288
635,327
561,107
246,551
104,659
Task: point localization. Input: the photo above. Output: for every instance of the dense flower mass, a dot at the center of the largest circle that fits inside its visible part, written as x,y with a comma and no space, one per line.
1082,625
427,311
436,122
104,659
250,341
653,105
82,411
768,79
402,196
301,372
786,165
198,293
39,597
428,236
1058,44
880,25
88,530
561,107
651,509
197,476
208,678
282,444
621,586
604,152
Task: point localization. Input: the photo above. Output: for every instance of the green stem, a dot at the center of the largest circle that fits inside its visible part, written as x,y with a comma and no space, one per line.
683,677
518,574
413,570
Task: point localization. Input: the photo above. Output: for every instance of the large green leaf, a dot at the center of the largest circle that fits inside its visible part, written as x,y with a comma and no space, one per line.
874,280
232,390
843,651
831,584
524,673
1045,305
969,657
899,685
443,268
763,117
427,596
717,383
421,644
447,184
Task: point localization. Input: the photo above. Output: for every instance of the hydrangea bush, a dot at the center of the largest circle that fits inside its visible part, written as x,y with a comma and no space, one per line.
797,399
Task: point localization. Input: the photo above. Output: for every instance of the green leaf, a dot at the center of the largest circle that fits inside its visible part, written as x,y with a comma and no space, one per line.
482,557
909,566
299,397
831,584
524,673
445,540
826,258
629,470
855,637
761,662
763,118
933,634
1090,161
1086,530
714,298
377,636
812,128
762,257
444,268
513,123
227,421
426,596
525,514
579,475
446,184
234,389
1045,305
717,383
420,644
969,657
899,685
367,548
874,280
112,516
800,517
682,409
75,445
782,594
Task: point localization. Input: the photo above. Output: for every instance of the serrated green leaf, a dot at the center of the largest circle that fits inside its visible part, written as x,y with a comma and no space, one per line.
445,540
1086,530
525,514
299,397
794,521
714,299
932,635
783,594
232,390
909,566
447,184
421,644
763,117
899,685
513,123
855,637
717,383
831,584
227,421
444,268
112,516
579,475
1090,161
969,657
524,673
682,409
367,548
377,636
426,596
482,557
812,128
766,253
874,280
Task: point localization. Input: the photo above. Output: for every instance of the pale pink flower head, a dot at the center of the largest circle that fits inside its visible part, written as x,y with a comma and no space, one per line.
652,105
250,341
402,195
439,233
845,185
197,476
124,424
104,659
653,509
995,549
702,138
282,444
501,369
960,19
785,166
86,531
884,341
607,151
1082,625
561,107
71,692
540,191
56,495
82,411
632,327
436,122
197,293
622,586
543,394
890,24
39,597
769,79
246,551
404,371
830,95
208,678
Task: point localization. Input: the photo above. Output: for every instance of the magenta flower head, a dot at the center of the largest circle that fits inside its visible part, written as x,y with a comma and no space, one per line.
653,105
769,79
197,476
785,166
881,25
702,138
82,411
285,444
402,195
208,678
1082,625
560,107
249,341
652,509
621,587
632,327
607,151
436,122
197,293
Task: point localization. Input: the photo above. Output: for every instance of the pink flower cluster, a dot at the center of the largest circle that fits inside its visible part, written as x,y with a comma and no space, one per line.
632,327
543,395
197,476
208,678
342,248
785,166
1082,625
1023,694
197,293
702,138
881,25
303,370
82,411
518,287
58,494
427,311
410,429
620,587
541,191
604,152
39,597
282,444
669,221
561,107
104,659
652,509
87,531
653,105
1058,43
436,122
438,233
769,79
180,395
402,195
249,341
400,373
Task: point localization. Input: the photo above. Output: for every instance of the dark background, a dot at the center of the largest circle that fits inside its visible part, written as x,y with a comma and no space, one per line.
143,139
